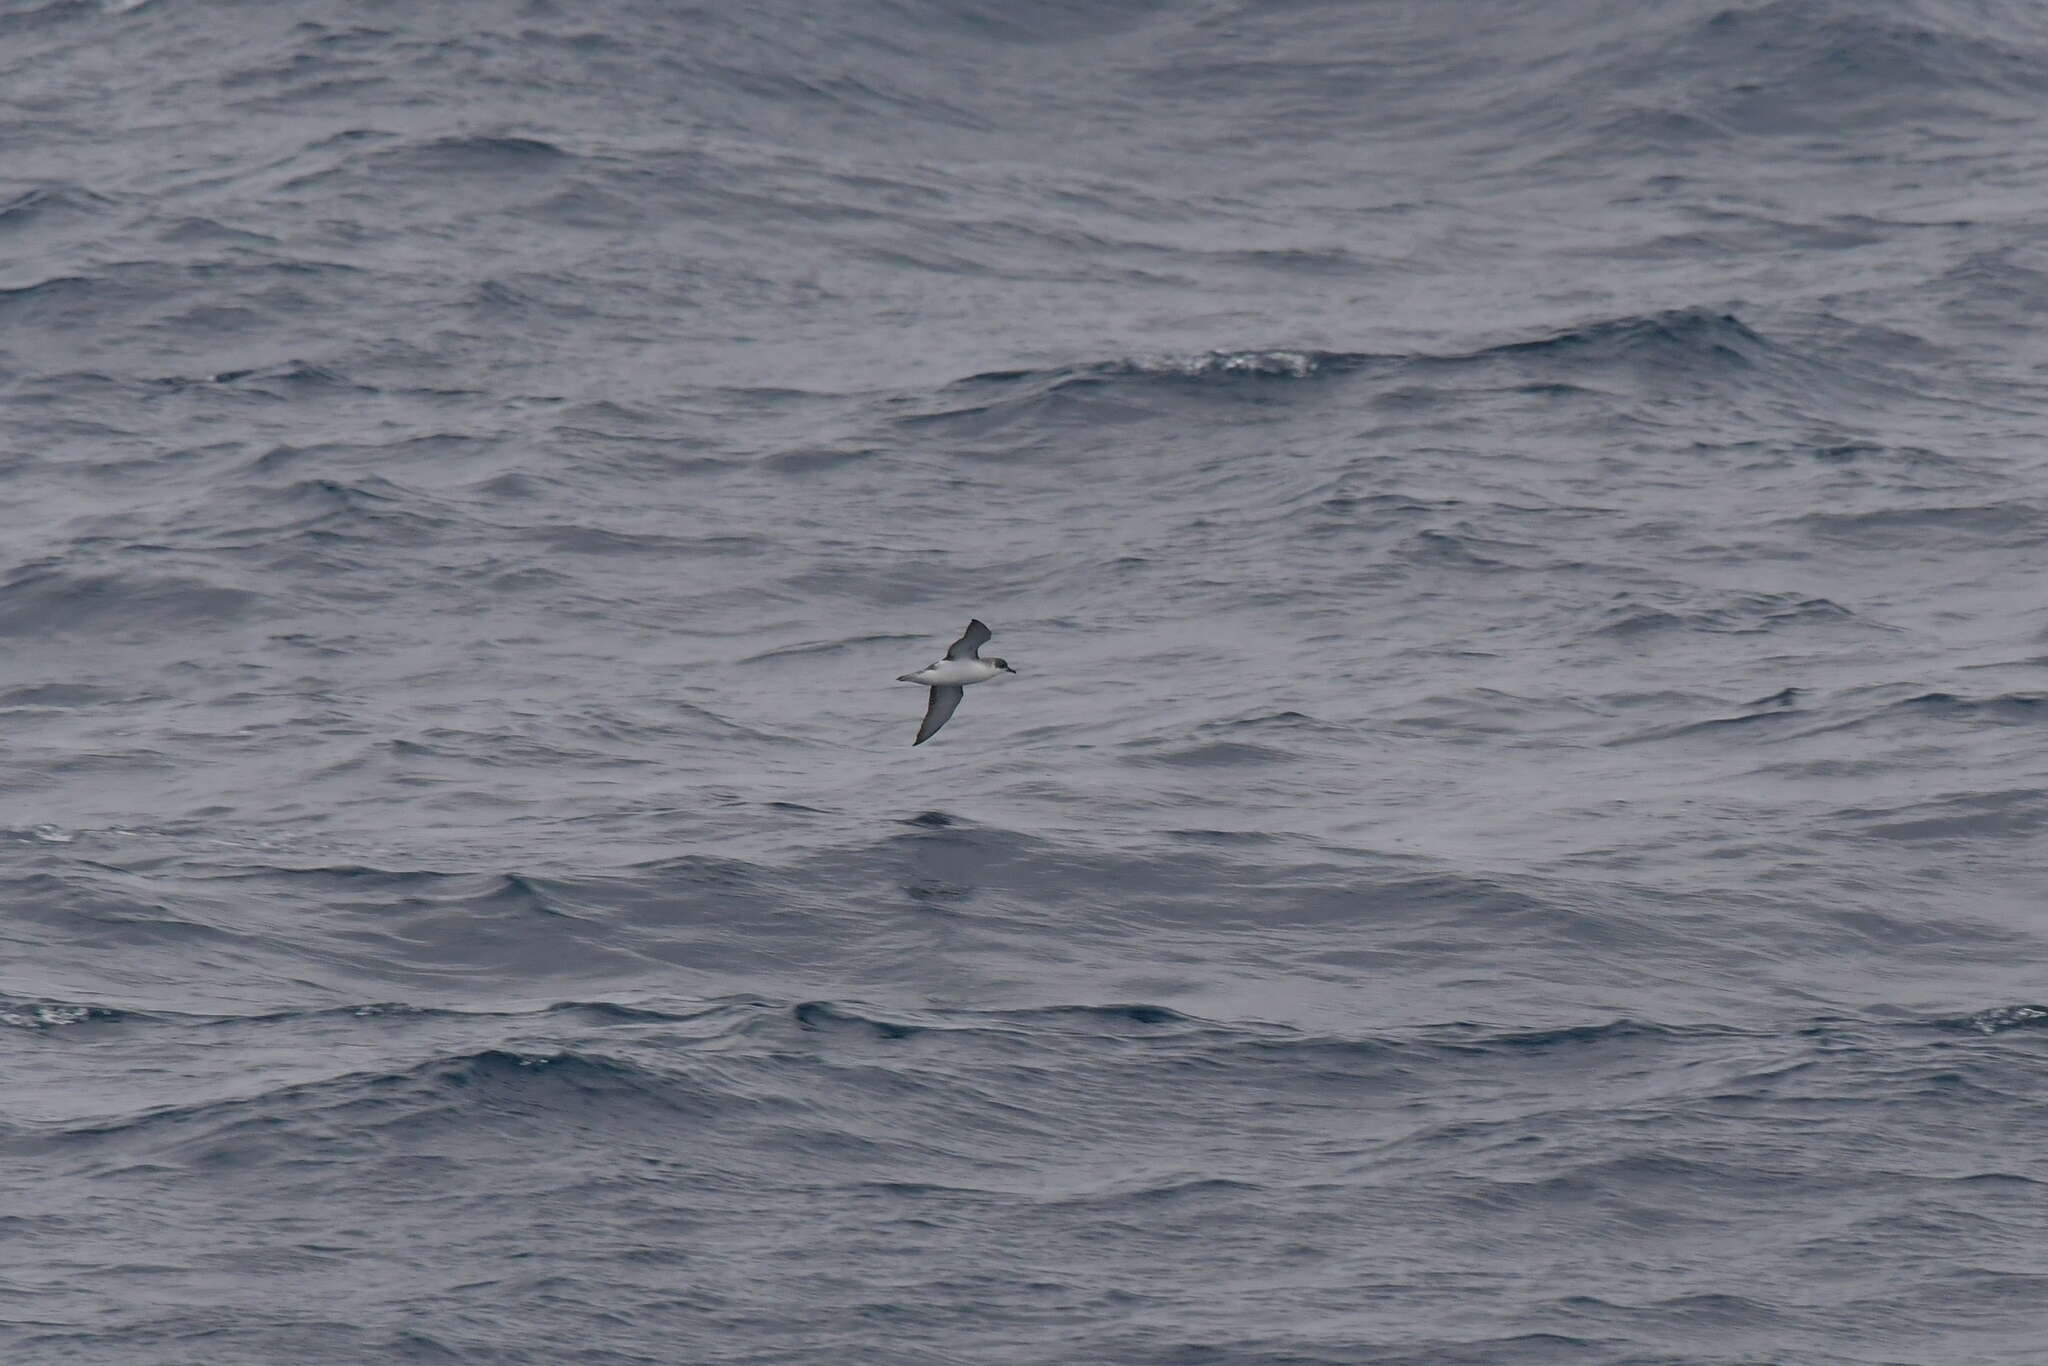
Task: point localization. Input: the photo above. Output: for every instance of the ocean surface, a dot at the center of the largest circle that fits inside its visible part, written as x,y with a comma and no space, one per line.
1517,838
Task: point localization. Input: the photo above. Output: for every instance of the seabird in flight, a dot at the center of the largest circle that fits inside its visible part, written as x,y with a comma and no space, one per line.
949,677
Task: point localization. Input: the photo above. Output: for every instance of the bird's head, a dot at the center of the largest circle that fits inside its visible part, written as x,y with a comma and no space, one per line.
1002,664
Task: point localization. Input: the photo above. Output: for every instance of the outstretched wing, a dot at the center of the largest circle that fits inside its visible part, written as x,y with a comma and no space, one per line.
938,712
973,638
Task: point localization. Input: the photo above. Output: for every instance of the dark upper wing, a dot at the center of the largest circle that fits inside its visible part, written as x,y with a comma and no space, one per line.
973,638
938,712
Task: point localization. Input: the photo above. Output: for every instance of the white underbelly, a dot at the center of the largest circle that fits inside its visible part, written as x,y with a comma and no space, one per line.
956,672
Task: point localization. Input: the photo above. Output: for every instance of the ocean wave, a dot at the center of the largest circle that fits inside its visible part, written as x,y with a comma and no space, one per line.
1681,346
45,600
41,1015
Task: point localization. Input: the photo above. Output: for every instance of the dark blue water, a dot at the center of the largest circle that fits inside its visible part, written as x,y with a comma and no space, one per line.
1517,837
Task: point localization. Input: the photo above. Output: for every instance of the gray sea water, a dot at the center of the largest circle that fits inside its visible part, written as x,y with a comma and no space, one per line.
1517,837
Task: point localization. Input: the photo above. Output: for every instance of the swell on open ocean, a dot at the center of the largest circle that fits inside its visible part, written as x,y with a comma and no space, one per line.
1516,839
